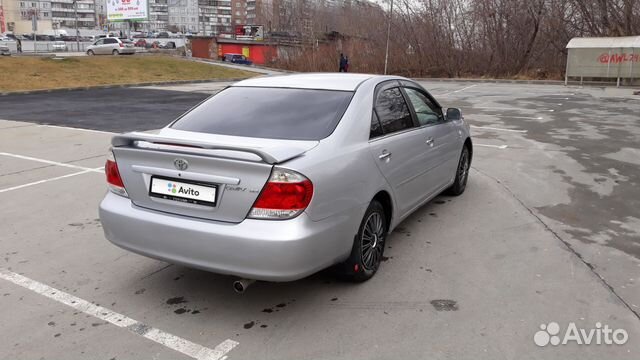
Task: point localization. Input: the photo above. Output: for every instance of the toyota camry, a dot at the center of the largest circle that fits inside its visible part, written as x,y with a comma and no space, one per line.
276,178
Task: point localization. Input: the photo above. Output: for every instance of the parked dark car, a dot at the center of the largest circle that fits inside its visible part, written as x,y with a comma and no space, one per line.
237,59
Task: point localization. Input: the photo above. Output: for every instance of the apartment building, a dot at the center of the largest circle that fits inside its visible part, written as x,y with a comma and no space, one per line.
63,14
183,16
50,15
215,17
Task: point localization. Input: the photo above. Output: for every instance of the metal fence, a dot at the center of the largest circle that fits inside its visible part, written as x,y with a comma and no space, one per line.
52,46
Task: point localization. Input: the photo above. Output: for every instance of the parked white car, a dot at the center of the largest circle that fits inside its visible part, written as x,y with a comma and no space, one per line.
8,46
111,46
59,46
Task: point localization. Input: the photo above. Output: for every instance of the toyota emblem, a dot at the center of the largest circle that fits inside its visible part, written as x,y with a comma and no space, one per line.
181,164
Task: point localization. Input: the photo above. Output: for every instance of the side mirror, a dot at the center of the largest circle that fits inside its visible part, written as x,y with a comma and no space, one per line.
454,114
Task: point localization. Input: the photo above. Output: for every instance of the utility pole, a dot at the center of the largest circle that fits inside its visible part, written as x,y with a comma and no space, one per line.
75,10
386,55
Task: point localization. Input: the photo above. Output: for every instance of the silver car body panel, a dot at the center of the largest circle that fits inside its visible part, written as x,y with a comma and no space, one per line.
344,167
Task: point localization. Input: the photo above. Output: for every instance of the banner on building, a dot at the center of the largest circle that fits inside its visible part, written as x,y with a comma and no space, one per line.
120,10
250,32
2,26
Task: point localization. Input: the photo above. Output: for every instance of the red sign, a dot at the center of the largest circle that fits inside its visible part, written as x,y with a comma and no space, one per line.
605,58
2,28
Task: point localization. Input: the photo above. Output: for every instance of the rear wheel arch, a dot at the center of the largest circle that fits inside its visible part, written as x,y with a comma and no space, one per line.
469,145
384,199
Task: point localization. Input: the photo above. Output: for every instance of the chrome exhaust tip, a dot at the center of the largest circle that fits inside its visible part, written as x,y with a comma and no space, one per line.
241,285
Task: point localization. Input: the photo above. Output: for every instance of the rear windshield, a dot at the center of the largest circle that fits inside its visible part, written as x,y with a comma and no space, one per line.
273,113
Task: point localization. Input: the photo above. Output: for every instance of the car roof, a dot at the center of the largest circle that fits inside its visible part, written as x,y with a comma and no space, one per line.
322,81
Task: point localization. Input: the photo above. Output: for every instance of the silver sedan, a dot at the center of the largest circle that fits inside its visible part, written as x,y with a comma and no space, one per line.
276,178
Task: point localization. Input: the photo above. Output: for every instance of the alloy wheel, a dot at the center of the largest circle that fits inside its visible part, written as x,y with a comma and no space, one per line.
372,241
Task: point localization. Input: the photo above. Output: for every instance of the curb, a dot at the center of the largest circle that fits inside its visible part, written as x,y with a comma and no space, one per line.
529,82
244,67
115,86
496,81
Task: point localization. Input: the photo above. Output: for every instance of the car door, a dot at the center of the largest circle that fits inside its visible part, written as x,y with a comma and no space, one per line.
96,46
110,44
441,136
397,145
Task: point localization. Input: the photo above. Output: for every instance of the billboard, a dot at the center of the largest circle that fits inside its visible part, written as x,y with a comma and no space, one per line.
120,10
250,32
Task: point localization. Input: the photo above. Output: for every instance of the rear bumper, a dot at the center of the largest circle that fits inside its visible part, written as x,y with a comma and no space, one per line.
255,249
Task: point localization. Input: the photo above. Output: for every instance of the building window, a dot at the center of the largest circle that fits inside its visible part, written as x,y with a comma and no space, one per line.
238,4
22,4
45,14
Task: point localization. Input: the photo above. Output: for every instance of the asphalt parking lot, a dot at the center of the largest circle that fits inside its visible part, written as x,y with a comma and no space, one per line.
547,231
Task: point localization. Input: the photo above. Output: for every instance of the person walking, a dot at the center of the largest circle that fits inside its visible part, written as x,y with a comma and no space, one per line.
343,63
346,64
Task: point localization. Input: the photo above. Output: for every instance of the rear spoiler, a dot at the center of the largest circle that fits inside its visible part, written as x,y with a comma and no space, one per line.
269,156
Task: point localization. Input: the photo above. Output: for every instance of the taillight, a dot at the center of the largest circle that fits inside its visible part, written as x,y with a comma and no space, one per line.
121,45
114,181
286,195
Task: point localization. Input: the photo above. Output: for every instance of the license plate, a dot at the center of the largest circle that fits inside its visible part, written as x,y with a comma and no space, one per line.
191,192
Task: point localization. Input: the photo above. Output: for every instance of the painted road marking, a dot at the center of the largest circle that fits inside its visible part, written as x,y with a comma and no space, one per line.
99,170
49,162
509,116
497,129
79,129
170,341
508,108
492,146
459,90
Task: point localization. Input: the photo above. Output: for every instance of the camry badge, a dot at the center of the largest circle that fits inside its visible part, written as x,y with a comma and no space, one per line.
181,164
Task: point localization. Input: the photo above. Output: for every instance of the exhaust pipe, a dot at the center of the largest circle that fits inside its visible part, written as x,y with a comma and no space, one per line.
241,285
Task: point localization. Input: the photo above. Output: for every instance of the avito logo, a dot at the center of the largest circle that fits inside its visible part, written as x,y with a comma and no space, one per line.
172,188
550,334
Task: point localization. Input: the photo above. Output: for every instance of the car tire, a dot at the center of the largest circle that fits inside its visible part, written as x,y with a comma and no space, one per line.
115,53
462,173
368,246
90,53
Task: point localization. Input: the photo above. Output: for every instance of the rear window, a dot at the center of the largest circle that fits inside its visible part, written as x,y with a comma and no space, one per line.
273,113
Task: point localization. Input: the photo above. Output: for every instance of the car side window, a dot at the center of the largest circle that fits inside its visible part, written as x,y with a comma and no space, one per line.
376,128
110,41
99,42
426,112
393,111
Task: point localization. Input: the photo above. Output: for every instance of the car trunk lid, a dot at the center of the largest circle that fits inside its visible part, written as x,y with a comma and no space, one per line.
232,170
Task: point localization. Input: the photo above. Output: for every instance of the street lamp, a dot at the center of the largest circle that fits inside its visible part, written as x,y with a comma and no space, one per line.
75,10
386,55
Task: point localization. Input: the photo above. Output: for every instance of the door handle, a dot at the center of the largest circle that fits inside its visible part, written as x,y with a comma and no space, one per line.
429,141
385,155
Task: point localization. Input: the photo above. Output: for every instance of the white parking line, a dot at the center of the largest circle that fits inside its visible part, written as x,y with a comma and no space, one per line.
170,341
457,91
79,129
513,117
99,170
497,129
508,108
49,162
501,147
